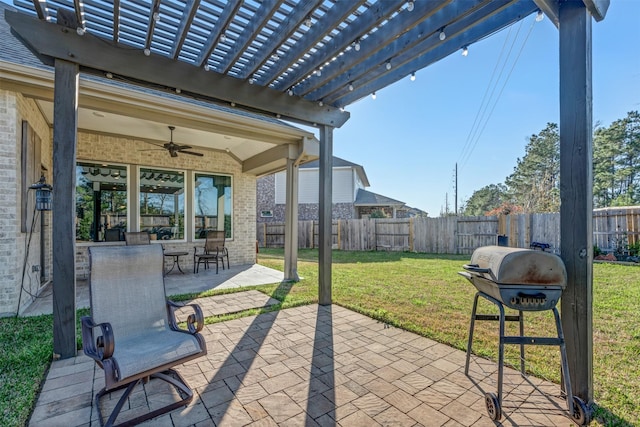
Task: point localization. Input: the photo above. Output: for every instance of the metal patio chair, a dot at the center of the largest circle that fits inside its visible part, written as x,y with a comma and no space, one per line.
213,251
137,238
132,332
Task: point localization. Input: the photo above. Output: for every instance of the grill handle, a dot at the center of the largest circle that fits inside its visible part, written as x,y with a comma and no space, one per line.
475,268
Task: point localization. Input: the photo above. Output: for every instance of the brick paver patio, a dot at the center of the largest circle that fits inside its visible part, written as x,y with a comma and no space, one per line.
313,366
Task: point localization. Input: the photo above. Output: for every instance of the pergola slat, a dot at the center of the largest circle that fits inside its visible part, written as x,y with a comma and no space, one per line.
338,13
155,8
291,24
384,44
223,21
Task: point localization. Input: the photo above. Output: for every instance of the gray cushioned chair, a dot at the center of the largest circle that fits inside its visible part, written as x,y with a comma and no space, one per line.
132,333
137,238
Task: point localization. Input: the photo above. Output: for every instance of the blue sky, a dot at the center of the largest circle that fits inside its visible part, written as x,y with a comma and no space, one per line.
410,137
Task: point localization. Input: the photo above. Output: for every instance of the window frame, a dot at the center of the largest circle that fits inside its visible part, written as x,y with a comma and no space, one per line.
192,181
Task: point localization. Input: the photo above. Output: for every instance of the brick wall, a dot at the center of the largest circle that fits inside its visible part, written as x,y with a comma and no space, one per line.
13,109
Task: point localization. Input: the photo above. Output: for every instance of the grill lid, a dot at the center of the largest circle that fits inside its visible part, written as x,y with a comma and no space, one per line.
514,266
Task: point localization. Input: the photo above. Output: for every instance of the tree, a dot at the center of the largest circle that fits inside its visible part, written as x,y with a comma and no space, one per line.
485,199
616,162
535,181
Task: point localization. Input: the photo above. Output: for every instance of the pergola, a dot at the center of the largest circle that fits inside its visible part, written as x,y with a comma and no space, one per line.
304,61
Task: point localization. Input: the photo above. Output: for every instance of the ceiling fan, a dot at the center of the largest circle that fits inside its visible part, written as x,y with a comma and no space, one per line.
174,148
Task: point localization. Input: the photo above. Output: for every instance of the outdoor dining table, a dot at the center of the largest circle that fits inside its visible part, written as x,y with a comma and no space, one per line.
176,260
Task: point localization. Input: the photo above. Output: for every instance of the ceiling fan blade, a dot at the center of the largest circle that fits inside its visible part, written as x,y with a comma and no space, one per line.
182,147
193,153
153,143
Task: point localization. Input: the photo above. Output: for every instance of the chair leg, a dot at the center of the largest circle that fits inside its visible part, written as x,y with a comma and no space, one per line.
170,376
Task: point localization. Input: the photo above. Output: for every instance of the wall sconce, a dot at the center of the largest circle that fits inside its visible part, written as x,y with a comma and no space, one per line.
43,194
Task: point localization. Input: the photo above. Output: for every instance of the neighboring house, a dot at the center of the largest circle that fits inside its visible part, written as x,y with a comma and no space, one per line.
350,199
125,179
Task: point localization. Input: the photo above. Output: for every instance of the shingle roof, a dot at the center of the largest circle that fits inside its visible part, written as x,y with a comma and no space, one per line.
367,198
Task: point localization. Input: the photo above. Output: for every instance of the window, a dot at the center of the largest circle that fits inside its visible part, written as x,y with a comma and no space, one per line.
162,203
101,202
212,204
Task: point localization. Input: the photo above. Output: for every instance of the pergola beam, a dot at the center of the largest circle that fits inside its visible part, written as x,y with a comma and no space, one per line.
461,36
214,37
185,23
298,15
360,26
382,46
338,13
100,57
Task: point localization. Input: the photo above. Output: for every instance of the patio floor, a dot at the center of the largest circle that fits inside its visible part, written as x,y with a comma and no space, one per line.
175,283
312,366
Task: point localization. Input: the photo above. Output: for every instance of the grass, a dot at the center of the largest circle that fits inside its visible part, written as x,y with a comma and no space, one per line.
418,292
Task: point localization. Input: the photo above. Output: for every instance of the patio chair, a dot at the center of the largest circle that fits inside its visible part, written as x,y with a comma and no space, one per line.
214,250
137,238
132,333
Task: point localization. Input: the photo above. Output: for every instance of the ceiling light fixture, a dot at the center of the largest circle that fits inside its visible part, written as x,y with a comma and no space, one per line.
413,76
410,6
373,95
465,51
442,35
539,16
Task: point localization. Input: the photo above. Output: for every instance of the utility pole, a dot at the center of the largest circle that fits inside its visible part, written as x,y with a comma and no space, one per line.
456,190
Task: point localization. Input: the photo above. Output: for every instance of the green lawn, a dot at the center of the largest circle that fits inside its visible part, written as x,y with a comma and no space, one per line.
418,292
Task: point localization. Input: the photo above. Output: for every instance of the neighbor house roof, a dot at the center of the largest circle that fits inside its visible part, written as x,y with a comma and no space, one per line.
367,198
340,163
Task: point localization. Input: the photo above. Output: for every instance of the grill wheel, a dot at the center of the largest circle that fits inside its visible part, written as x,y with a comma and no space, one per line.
493,407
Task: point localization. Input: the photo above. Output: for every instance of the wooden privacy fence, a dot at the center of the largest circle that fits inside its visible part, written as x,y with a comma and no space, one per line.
462,235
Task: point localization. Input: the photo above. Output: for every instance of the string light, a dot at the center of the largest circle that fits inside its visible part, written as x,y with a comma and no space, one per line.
356,45
373,95
442,35
80,31
350,87
206,67
465,51
307,22
318,72
178,90
320,103
413,76
410,6
290,92
223,37
156,16
539,16
388,65
147,51
109,75
251,81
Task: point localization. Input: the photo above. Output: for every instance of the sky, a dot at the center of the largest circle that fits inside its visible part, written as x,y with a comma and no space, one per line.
411,136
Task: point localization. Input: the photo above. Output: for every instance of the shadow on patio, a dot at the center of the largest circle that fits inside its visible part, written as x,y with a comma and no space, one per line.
313,366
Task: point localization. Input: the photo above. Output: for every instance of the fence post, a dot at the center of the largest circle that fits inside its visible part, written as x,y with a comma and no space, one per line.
411,235
338,226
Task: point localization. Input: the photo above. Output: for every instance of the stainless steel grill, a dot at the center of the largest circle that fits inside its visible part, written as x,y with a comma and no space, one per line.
523,280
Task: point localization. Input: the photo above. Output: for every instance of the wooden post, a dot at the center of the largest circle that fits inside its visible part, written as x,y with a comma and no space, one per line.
291,224
411,235
65,130
576,192
324,231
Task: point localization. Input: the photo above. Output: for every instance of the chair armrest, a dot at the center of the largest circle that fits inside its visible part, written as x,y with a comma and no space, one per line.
195,320
99,348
